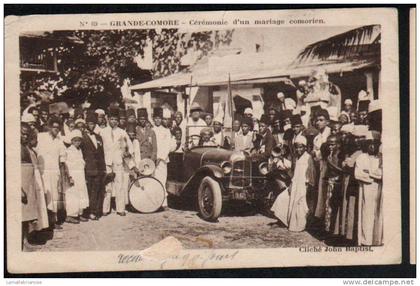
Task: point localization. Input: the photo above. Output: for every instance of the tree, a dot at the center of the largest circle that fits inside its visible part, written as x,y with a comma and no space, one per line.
340,45
93,64
170,45
97,68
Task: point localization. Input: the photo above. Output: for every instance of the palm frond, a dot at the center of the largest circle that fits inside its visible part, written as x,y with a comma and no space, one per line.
339,45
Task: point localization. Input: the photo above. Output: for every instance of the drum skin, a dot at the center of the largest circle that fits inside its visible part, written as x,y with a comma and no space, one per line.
146,194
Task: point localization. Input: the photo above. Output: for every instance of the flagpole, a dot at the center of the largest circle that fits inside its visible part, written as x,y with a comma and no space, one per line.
230,107
188,107
188,99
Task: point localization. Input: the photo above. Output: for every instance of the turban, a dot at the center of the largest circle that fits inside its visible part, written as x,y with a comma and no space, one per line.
363,95
79,121
290,103
100,112
166,113
348,101
28,117
248,110
300,140
75,134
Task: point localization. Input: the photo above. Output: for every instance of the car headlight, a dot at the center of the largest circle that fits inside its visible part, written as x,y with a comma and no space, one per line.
263,167
226,167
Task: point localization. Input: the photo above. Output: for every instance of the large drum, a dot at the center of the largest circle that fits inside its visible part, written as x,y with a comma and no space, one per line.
146,194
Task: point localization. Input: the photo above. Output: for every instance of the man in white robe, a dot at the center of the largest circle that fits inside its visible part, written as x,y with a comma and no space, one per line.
303,178
51,152
369,174
165,144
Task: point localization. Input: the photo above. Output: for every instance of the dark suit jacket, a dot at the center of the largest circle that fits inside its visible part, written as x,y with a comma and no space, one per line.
268,142
94,157
148,144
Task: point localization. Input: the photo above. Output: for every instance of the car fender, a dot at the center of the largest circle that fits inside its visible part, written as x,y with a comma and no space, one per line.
208,170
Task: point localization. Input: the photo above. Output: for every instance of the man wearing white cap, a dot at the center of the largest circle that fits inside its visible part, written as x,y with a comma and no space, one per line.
248,112
218,137
101,124
278,104
29,119
348,106
303,179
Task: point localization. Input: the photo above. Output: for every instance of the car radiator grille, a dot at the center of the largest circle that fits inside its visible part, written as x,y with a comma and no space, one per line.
241,174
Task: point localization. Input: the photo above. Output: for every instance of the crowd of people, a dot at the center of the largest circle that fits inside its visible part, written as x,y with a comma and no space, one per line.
82,161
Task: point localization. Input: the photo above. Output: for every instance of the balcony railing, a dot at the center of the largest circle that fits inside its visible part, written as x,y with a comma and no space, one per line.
35,55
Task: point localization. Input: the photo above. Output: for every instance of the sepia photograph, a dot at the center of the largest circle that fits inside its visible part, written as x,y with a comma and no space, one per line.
175,132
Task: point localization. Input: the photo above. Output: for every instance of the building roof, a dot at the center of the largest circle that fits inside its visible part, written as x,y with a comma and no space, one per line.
253,76
270,67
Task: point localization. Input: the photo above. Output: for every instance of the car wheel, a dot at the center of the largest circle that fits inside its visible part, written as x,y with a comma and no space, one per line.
209,199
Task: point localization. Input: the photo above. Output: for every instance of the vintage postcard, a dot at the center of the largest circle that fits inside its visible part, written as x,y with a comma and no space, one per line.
202,140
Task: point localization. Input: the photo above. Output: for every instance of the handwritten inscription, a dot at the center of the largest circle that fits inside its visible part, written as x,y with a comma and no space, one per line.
198,260
129,259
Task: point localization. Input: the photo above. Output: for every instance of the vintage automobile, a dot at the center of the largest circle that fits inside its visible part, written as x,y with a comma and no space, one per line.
214,176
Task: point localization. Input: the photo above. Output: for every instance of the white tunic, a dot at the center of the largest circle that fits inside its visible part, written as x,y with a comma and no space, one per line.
218,138
136,152
298,208
116,142
194,128
243,142
51,151
368,173
77,197
319,140
165,142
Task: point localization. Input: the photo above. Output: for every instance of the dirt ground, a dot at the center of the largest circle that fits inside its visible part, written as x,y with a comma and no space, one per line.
139,231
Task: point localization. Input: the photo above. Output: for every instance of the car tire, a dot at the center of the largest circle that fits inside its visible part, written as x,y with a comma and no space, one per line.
209,199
